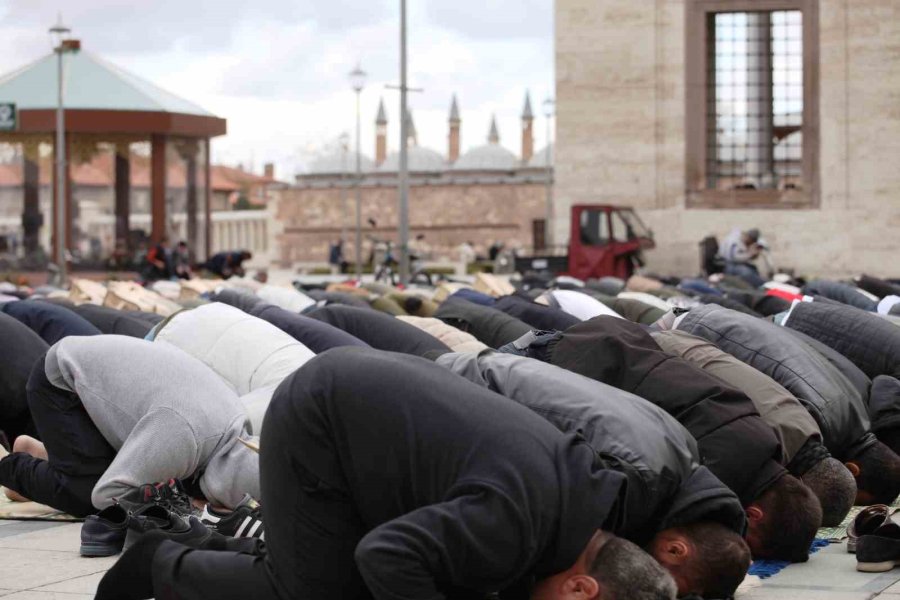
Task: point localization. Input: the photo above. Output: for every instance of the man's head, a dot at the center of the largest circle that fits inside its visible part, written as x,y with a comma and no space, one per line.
609,568
877,473
751,236
835,488
246,255
783,521
706,559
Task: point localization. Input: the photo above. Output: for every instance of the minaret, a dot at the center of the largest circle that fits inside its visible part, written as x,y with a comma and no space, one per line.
453,149
493,134
411,134
381,134
527,130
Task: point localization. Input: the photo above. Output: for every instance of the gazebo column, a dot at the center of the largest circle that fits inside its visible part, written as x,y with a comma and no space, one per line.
31,213
123,195
207,192
65,228
157,187
188,151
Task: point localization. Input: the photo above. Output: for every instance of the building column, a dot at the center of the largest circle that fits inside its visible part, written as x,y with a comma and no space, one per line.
31,213
207,204
123,195
188,151
158,225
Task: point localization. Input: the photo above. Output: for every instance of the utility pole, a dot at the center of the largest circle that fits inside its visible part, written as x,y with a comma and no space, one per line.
403,170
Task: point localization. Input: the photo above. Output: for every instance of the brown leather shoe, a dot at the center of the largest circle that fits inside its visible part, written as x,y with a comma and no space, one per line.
866,522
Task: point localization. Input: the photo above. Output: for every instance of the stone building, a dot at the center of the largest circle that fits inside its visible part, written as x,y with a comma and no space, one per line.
711,114
483,195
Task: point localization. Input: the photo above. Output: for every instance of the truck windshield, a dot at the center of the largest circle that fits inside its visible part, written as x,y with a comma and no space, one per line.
628,226
594,228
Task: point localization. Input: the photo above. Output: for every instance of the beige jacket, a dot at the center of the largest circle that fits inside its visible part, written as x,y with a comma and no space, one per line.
459,341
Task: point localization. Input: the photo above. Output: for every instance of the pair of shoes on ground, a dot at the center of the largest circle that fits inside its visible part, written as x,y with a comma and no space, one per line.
165,508
875,538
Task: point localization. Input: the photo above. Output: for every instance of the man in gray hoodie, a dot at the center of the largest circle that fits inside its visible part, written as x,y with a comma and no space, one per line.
116,412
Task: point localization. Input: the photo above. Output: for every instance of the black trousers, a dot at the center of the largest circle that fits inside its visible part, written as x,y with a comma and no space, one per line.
312,525
77,451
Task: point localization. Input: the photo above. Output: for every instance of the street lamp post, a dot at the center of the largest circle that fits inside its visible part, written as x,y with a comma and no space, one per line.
344,141
403,167
548,217
59,33
358,81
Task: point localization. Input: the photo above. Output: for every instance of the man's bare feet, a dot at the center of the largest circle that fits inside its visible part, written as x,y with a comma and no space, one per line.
14,495
30,446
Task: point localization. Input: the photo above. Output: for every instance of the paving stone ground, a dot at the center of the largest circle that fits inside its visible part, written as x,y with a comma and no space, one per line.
40,561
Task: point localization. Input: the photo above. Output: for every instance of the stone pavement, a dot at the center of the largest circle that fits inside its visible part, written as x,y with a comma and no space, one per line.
40,561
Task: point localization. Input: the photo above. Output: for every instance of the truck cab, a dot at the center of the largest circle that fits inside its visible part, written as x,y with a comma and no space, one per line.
604,240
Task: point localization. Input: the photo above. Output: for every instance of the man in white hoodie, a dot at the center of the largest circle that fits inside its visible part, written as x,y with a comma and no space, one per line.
117,412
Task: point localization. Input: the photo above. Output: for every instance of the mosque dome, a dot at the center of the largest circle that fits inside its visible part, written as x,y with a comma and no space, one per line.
419,160
490,157
539,160
339,162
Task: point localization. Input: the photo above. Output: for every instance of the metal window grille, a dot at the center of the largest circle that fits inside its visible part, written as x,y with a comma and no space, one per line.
755,100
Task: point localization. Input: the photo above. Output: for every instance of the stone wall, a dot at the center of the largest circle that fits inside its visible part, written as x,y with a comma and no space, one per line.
448,215
621,134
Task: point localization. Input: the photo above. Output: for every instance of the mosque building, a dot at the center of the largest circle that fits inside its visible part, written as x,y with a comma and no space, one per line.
487,194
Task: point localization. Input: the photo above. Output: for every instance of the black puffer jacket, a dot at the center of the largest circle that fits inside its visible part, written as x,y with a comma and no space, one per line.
537,315
830,398
50,321
862,337
735,443
489,325
667,487
839,292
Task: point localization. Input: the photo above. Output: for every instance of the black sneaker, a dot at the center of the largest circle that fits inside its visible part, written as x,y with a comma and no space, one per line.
244,522
104,534
170,495
879,551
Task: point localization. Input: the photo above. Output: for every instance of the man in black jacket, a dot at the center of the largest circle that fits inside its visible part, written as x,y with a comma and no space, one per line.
837,403
735,444
20,349
692,522
50,321
385,476
379,330
491,326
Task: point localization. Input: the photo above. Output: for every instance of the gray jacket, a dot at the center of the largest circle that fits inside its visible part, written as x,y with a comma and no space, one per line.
666,485
830,398
165,413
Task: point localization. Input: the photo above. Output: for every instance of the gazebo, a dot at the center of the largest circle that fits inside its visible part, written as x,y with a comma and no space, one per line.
107,105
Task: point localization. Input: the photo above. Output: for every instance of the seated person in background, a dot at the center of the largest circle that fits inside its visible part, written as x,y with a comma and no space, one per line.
689,520
110,427
386,476
228,264
739,249
181,261
158,263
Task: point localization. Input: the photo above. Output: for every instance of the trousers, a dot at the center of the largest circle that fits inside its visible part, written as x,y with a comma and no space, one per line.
78,454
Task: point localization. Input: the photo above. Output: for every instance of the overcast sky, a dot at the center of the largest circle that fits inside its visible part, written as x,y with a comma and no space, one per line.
277,69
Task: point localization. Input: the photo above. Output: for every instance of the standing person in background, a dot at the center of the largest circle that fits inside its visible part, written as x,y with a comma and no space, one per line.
336,257
158,261
739,249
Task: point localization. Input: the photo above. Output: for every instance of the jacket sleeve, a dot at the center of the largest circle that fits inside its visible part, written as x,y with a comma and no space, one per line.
478,538
161,446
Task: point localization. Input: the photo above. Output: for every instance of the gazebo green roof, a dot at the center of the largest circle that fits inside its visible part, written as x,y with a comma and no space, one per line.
92,84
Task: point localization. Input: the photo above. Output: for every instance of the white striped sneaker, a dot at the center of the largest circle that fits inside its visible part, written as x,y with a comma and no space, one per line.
245,521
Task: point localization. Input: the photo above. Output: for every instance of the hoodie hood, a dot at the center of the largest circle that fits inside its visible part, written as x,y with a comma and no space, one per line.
702,497
231,472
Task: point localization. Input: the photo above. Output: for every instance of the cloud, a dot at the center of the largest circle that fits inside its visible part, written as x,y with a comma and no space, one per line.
277,70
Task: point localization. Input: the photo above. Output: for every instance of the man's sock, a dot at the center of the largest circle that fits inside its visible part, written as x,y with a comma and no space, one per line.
131,578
